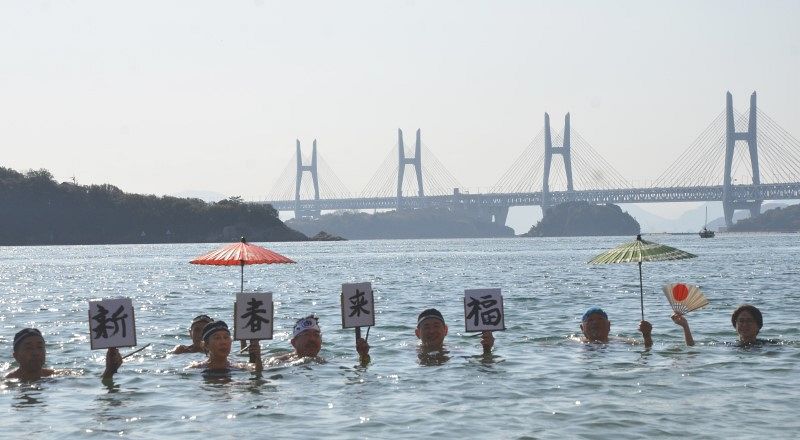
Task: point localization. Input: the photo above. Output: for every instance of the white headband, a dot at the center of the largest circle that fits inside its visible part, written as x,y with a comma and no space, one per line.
307,323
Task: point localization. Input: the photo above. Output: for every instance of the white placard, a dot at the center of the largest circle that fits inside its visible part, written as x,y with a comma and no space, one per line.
358,307
111,323
483,310
253,316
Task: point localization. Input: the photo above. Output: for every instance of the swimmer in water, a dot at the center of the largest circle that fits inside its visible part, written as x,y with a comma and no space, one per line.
596,328
30,354
746,319
196,333
307,342
217,342
431,330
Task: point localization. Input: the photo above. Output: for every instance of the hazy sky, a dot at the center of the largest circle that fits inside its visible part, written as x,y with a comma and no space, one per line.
168,96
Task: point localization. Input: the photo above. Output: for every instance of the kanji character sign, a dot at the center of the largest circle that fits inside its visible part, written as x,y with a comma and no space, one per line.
483,310
358,308
111,323
253,316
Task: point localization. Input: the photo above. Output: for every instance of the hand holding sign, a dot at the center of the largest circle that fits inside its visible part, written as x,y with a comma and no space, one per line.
358,310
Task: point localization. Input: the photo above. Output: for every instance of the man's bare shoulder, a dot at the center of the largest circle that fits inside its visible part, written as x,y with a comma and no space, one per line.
46,372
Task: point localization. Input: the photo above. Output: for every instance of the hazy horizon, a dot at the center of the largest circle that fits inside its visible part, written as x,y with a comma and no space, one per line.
169,97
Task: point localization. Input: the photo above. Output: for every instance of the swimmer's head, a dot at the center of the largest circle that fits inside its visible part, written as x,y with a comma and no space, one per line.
747,321
431,329
24,334
592,311
214,327
752,310
29,349
197,326
307,336
595,325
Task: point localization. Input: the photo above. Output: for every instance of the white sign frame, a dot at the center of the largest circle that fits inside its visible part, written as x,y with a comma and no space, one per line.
127,325
240,323
350,290
488,295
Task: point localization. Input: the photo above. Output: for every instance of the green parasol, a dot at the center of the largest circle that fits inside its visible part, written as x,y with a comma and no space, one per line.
639,251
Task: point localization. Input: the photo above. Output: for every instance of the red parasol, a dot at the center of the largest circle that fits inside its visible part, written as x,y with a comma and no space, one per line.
241,253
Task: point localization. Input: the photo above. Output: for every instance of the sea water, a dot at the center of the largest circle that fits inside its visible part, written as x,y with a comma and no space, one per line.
539,383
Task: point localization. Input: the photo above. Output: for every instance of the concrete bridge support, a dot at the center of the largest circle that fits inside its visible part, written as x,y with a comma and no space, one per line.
499,215
298,212
490,214
416,161
729,204
549,151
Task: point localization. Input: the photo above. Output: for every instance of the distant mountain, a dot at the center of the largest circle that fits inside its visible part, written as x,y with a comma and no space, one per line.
412,223
781,219
38,210
691,220
648,221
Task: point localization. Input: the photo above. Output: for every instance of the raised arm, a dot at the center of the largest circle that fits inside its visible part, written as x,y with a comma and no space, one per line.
680,320
487,341
362,347
647,332
113,362
255,355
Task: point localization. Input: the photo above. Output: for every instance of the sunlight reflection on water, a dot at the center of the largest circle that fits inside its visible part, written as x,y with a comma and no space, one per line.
539,382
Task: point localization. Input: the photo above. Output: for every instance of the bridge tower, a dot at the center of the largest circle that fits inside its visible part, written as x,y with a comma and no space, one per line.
416,161
729,204
299,212
549,151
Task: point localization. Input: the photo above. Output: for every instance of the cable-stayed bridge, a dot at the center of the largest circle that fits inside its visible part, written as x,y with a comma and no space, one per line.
741,159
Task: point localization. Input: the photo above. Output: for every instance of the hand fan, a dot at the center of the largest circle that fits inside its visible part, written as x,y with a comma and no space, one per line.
684,297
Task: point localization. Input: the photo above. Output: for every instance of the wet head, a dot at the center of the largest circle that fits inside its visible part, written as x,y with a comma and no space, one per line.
29,350
308,343
747,321
431,329
595,325
307,336
217,339
196,329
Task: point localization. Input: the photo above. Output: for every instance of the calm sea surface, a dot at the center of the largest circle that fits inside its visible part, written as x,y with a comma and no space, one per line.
539,384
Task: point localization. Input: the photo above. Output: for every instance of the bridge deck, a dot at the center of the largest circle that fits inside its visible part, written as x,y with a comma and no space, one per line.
776,191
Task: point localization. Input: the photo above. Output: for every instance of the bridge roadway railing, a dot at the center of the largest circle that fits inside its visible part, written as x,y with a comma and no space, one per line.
774,191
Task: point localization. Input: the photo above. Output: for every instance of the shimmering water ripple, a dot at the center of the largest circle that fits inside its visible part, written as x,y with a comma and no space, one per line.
540,384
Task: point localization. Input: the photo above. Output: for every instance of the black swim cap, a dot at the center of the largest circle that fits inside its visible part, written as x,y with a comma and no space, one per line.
25,333
429,313
213,327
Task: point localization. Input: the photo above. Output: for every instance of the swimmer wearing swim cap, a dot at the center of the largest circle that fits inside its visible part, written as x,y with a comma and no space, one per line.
196,333
30,354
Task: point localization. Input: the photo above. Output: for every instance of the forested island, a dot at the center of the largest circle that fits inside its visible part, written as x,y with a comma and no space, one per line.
412,223
582,218
785,219
35,209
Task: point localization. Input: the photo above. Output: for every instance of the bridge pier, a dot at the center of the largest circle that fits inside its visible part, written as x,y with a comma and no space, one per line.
549,151
490,214
729,203
500,215
298,211
416,161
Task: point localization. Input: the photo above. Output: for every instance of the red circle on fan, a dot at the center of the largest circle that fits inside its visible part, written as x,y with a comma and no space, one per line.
680,292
